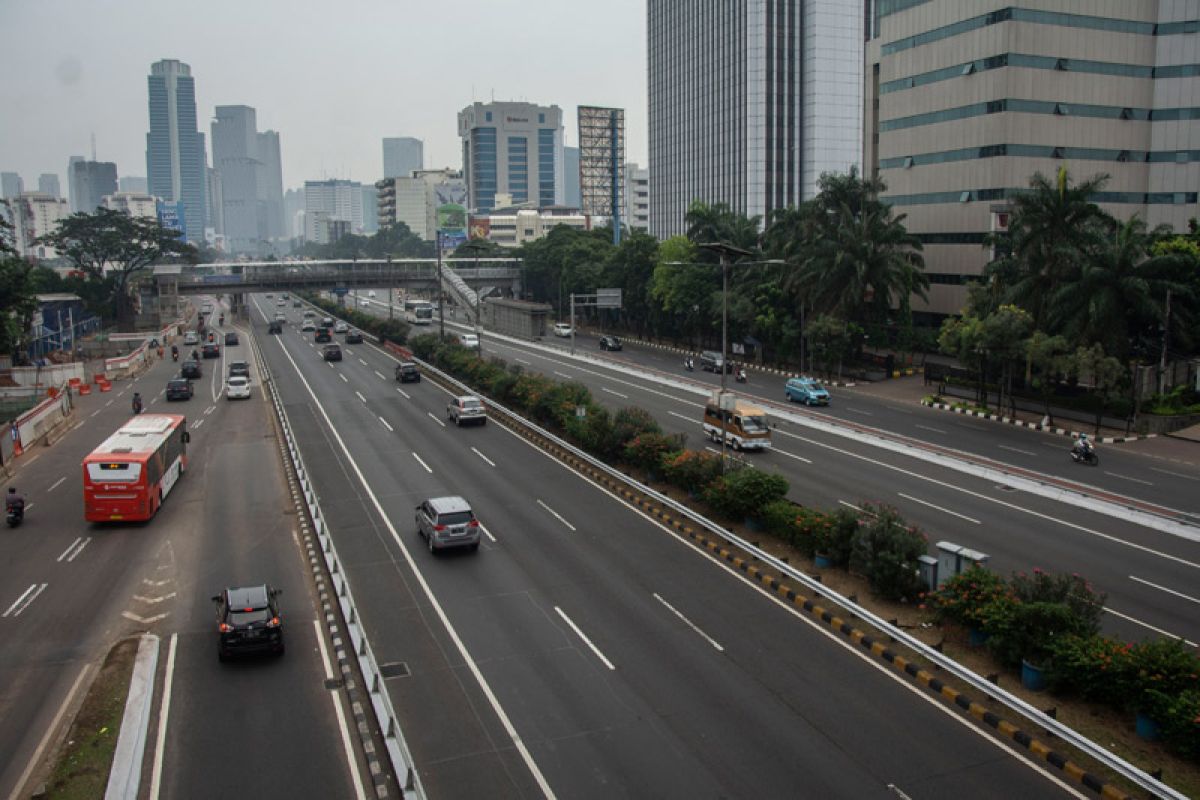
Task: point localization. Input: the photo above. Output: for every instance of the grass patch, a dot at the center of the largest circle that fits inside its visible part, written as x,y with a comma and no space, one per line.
81,769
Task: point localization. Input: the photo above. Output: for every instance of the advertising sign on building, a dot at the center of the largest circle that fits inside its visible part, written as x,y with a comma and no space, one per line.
481,227
451,200
170,216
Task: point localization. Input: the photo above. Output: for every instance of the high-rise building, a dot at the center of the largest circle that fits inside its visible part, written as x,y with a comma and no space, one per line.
176,161
750,102
90,181
11,185
513,149
215,198
571,177
973,98
402,155
293,210
235,158
48,184
134,184
370,205
135,204
636,197
270,185
332,200
35,215
414,200
71,162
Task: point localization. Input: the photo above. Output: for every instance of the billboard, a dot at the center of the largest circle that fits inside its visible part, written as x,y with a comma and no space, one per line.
171,217
480,227
451,204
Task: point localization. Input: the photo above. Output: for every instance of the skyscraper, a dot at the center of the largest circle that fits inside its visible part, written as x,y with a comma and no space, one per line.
514,149
749,102
134,183
332,201
571,177
11,185
966,101
175,157
48,184
270,185
90,181
402,155
235,157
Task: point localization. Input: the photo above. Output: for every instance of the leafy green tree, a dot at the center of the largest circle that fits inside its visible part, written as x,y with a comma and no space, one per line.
112,244
1048,358
1004,338
630,268
963,338
563,262
830,340
707,224
1105,373
684,287
17,294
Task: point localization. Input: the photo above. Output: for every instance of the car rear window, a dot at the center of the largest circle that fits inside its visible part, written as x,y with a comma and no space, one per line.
241,617
237,380
454,518
471,403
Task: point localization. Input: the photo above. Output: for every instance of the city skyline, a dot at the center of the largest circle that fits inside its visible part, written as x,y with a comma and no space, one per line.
331,120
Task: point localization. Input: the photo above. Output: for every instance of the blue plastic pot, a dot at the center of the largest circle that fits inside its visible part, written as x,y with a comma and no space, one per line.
1033,677
822,561
1147,728
977,638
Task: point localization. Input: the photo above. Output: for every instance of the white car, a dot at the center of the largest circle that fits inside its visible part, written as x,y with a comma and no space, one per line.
308,325
191,337
340,327
563,329
238,388
371,293
468,340
364,302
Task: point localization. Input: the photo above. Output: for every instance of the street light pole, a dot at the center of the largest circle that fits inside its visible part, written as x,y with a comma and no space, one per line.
724,251
441,291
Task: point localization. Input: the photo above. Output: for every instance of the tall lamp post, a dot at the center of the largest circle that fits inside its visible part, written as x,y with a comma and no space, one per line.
724,251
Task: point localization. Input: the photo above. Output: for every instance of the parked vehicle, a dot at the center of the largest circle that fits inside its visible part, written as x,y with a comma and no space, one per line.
806,390
742,425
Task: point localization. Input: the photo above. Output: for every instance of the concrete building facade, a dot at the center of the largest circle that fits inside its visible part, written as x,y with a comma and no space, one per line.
132,203
512,148
90,182
414,200
176,160
966,99
511,227
332,200
48,184
749,102
402,155
235,158
35,215
636,200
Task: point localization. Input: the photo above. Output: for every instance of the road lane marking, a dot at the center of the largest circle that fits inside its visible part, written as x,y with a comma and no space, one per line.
97,411
404,394
56,484
209,410
360,397
1127,478
451,631
859,411
1147,625
939,508
364,363
164,715
931,428
1165,589
1017,450
109,403
144,620
36,456
342,376
556,514
692,420
564,375
610,391
153,601
791,455
380,374
385,424
74,549
585,639
336,697
422,463
485,458
36,758
23,602
689,623
1176,474
435,419
197,424
486,532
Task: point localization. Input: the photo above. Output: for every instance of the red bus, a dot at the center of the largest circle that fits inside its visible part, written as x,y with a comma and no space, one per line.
130,474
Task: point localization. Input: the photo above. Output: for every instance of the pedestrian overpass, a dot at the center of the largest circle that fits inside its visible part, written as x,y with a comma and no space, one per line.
464,280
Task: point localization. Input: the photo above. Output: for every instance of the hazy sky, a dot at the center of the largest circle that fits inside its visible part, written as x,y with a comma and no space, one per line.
332,77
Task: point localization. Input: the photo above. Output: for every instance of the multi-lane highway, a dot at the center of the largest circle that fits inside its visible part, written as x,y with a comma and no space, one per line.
584,651
69,590
1148,575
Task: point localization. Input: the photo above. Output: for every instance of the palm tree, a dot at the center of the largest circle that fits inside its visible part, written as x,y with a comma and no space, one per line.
1118,292
1051,228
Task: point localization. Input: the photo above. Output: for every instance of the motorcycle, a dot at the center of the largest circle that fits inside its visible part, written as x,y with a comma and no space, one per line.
687,364
15,516
137,405
1085,455
740,376
174,354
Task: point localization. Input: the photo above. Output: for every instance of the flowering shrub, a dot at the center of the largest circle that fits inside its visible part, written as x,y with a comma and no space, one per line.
628,423
648,449
1070,590
692,470
1096,668
962,599
1180,724
835,538
1028,631
1164,669
885,550
745,492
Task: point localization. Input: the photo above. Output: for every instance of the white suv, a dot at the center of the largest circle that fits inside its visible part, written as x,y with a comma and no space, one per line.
467,408
238,388
563,329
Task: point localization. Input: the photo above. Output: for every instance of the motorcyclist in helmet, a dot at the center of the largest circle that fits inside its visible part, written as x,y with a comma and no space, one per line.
14,502
1083,445
137,403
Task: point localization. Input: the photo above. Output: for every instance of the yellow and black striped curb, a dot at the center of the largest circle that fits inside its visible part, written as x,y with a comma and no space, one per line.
720,548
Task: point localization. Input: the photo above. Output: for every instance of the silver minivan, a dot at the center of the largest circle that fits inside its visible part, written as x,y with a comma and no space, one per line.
447,522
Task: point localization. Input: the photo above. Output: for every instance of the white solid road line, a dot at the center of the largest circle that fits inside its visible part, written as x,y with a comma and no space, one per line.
36,758
351,761
25,600
556,514
1127,478
689,623
343,377
164,716
452,632
681,416
385,424
790,455
585,639
1016,450
618,394
931,428
1147,625
422,463
432,417
360,397
485,458
939,508
1165,589
859,411
564,375
56,484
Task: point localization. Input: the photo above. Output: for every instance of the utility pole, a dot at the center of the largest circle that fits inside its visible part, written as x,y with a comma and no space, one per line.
441,290
724,250
1162,362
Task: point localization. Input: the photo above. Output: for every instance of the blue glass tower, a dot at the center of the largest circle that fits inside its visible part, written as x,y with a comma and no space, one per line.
176,162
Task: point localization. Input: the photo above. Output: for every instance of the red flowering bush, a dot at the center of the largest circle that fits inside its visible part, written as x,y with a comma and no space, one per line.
692,470
964,598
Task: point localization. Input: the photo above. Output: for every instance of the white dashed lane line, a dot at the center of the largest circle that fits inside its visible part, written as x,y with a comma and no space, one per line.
485,458
385,424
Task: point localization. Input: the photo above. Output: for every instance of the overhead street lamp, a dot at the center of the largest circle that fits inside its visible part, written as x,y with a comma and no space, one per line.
724,251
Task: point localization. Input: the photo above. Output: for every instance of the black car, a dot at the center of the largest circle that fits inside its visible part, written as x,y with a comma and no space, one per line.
179,389
354,337
190,369
610,343
407,372
231,338
331,352
274,326
248,621
211,350
239,368
323,335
